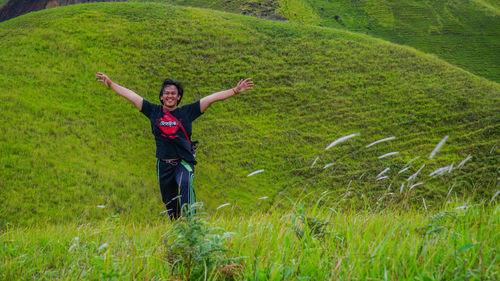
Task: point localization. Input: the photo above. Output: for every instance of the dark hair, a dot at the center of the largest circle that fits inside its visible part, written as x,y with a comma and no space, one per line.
167,82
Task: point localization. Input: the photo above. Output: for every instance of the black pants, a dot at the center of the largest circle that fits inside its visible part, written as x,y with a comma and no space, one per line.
176,185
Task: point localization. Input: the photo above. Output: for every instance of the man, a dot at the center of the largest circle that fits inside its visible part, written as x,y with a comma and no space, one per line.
172,126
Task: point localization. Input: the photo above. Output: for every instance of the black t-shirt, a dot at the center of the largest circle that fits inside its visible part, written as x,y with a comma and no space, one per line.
171,142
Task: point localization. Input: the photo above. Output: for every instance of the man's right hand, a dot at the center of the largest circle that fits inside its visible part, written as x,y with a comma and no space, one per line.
101,77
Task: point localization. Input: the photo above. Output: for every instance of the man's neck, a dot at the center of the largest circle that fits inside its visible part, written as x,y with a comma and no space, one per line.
171,108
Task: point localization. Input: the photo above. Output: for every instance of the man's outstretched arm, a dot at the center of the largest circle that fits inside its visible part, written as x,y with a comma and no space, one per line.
122,91
242,86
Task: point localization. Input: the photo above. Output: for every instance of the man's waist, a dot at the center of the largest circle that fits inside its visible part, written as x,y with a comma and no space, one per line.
171,161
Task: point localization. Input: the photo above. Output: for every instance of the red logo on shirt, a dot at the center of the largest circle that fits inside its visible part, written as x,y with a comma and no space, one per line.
168,126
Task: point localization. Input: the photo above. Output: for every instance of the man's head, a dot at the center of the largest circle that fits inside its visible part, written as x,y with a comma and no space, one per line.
171,92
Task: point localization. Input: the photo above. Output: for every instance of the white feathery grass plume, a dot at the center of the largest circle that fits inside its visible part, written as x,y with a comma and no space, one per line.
382,178
256,172
163,212
441,171
263,198
72,247
388,154
339,140
75,243
324,192
101,206
449,191
425,206
315,160
383,172
102,246
402,187
347,189
463,162
415,158
223,205
404,170
329,165
493,148
436,149
360,177
175,198
417,184
379,141
494,196
464,207
414,176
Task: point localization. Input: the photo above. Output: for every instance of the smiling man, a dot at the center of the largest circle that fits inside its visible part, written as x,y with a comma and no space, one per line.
172,126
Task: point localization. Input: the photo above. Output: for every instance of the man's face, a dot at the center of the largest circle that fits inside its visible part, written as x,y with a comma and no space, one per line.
170,96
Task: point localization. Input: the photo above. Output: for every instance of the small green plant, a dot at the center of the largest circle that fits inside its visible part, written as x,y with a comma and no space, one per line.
195,249
304,225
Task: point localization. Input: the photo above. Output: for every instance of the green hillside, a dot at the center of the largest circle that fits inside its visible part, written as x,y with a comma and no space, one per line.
464,33
68,144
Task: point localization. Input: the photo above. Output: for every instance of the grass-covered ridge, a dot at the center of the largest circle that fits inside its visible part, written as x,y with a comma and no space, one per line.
464,33
69,145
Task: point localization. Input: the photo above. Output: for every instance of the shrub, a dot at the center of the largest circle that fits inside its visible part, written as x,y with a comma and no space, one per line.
195,249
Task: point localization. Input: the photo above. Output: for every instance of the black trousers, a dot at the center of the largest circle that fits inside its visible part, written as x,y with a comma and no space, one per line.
176,185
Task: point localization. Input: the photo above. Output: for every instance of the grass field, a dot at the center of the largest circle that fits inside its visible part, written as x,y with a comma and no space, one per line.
68,144
352,159
455,242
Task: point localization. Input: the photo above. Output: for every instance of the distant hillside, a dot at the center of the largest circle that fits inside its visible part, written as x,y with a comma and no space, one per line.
68,144
490,4
464,33
14,8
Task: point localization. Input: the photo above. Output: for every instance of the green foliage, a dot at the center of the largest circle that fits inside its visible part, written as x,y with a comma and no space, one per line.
194,248
307,226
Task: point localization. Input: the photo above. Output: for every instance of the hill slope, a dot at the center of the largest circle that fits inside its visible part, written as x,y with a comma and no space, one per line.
464,33
69,145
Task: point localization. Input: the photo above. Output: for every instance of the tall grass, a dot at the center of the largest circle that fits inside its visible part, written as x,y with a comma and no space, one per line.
318,242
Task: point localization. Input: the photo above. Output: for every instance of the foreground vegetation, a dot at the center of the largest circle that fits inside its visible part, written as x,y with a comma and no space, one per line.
321,242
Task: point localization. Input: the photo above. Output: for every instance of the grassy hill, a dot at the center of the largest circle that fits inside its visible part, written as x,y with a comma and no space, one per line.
68,144
464,33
